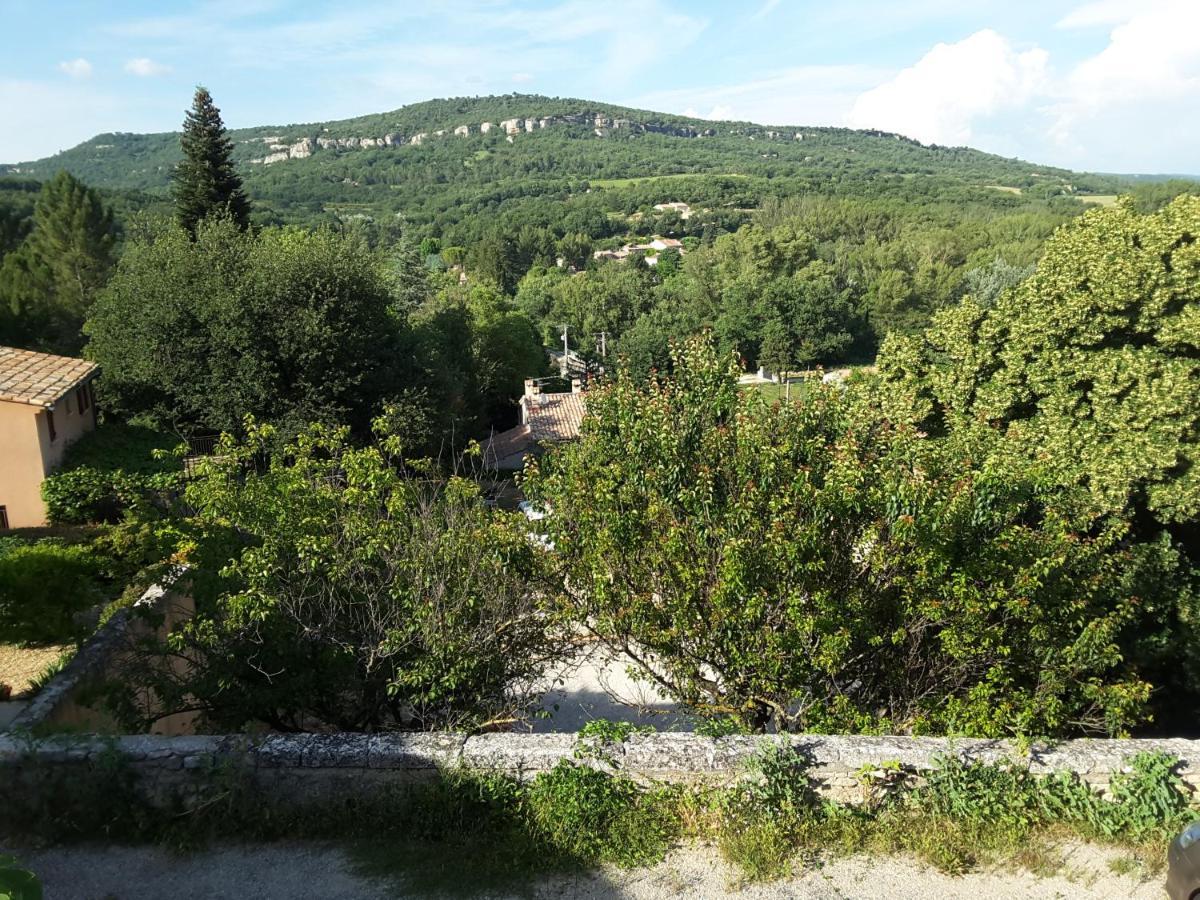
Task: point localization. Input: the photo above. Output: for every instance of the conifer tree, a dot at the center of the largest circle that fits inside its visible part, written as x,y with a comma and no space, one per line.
205,181
48,283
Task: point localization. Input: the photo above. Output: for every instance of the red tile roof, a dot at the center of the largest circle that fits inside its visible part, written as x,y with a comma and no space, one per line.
554,417
40,379
549,418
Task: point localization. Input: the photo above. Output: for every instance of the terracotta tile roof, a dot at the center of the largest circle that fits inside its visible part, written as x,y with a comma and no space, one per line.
508,443
548,418
40,379
554,417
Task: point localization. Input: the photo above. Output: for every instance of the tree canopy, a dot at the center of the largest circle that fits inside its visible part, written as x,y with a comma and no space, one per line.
290,326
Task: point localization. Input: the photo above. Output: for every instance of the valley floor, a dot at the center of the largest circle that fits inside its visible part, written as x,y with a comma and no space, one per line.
296,871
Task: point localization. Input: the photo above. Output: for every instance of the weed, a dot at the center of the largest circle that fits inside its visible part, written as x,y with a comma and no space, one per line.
611,732
596,817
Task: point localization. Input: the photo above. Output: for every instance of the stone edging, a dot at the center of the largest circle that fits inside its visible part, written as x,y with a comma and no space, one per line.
835,759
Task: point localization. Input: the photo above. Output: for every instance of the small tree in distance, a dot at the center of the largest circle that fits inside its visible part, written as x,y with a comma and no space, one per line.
205,181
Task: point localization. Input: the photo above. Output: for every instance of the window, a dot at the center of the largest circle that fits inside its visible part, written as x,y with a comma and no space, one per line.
3,518
50,424
81,398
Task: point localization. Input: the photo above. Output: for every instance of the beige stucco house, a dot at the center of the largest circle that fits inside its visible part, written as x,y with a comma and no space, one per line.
46,403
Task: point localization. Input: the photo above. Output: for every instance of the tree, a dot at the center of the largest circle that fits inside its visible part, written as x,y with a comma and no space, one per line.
194,333
813,566
1090,363
496,258
575,249
51,281
205,181
1087,370
358,592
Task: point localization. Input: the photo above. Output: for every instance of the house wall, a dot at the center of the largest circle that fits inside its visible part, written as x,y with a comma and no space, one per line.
21,464
27,454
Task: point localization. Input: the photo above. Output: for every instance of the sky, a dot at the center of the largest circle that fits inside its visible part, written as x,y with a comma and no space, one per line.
1105,85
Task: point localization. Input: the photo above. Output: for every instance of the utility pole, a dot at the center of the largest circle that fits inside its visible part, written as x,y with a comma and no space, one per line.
602,343
566,360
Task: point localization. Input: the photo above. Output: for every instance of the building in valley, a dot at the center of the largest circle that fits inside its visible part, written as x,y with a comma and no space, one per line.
545,419
46,403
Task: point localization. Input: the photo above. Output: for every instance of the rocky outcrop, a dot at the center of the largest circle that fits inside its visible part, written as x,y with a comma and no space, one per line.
602,125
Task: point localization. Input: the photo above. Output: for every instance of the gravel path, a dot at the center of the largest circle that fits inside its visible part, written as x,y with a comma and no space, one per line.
297,871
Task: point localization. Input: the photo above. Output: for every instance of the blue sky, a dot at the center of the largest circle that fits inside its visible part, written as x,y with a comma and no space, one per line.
1109,85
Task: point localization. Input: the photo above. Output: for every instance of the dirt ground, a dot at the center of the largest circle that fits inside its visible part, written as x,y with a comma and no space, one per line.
295,871
19,666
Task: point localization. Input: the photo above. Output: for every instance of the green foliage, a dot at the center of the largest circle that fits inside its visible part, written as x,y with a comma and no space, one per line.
606,731
49,283
762,817
1085,371
110,470
17,882
355,588
205,182
290,326
43,587
595,817
840,573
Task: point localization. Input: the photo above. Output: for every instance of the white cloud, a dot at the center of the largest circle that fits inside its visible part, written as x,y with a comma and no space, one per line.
938,99
1146,78
1133,105
76,68
522,77
144,67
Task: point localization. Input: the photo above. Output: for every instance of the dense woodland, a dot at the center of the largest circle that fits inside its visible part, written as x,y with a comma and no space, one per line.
994,534
797,252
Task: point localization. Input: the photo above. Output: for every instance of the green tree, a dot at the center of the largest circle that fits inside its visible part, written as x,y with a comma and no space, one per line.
290,326
51,281
1087,371
575,249
205,181
358,592
812,566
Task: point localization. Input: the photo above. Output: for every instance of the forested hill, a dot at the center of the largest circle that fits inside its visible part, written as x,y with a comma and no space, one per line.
423,160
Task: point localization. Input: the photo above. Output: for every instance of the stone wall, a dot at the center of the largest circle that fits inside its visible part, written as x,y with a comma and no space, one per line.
308,766
58,705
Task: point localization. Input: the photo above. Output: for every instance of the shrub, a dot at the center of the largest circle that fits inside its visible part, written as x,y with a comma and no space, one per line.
109,471
814,566
592,816
347,589
43,587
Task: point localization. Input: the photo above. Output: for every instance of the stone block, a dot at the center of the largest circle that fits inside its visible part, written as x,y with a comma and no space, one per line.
517,754
423,751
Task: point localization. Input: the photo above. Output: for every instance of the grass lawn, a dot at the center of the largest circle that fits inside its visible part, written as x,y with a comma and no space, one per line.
772,391
1099,199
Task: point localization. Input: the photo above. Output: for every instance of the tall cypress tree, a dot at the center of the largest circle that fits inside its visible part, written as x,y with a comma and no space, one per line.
205,181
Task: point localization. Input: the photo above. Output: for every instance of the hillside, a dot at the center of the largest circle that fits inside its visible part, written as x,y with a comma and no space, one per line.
433,162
